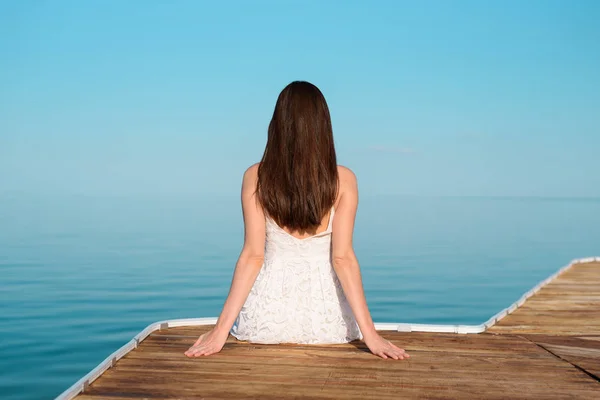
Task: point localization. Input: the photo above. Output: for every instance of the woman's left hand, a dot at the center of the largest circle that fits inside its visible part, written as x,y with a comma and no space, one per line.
209,343
384,348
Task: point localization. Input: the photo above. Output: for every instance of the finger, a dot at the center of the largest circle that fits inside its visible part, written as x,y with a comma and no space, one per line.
397,354
393,354
190,351
200,352
390,350
400,350
195,347
196,350
206,351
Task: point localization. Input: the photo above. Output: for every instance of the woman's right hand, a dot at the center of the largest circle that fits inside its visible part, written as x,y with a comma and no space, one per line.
384,348
208,343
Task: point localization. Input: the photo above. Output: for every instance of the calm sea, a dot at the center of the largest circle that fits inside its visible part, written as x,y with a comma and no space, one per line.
80,276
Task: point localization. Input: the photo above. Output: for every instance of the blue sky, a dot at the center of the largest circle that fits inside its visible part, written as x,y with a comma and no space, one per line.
174,97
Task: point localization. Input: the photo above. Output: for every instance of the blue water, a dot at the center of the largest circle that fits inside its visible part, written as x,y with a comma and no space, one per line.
80,276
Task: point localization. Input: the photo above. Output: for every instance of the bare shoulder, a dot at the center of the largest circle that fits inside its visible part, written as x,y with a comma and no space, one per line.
250,179
251,171
345,172
347,179
348,189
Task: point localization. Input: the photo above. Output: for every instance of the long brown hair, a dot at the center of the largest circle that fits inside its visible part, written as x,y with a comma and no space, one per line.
297,176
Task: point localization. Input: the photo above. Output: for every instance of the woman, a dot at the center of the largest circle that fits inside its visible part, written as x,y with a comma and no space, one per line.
297,279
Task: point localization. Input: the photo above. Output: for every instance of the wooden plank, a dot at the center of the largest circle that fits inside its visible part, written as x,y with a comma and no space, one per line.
569,305
333,383
442,365
583,351
563,318
549,348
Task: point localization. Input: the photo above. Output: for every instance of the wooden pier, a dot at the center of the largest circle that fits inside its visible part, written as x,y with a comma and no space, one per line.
548,348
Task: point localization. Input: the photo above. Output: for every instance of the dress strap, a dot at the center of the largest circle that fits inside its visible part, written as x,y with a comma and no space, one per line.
330,222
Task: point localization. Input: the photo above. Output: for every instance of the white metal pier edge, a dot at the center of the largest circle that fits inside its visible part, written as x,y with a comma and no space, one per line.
82,384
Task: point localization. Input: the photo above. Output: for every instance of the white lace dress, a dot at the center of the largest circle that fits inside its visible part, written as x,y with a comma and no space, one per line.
297,297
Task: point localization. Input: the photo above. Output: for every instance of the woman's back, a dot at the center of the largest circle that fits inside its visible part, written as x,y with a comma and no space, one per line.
297,297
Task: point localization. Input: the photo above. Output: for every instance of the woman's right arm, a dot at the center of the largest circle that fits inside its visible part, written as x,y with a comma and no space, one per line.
246,271
347,268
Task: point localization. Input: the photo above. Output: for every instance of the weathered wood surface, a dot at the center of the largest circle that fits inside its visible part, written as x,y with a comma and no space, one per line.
441,366
582,351
563,318
569,305
532,353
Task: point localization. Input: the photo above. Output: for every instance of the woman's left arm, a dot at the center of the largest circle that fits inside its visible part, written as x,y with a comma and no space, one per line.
246,270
